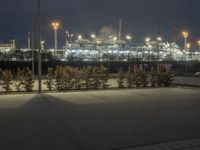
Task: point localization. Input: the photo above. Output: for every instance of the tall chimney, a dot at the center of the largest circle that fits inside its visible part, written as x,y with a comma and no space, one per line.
29,41
120,30
158,24
174,34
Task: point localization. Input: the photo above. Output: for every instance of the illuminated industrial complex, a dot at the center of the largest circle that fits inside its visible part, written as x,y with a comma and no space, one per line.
107,47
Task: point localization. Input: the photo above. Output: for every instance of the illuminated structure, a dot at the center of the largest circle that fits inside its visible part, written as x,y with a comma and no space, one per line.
97,48
10,45
111,49
7,50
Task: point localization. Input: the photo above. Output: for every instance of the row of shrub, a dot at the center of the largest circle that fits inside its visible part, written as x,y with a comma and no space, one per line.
68,78
22,80
137,78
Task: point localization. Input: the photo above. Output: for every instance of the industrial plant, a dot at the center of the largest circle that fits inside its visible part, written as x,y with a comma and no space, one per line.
104,46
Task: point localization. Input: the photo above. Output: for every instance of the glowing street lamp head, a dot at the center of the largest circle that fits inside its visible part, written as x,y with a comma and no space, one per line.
188,45
198,42
55,25
115,38
185,34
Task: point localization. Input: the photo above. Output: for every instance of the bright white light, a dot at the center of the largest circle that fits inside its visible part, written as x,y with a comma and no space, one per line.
93,36
159,38
128,37
80,37
115,38
42,42
148,39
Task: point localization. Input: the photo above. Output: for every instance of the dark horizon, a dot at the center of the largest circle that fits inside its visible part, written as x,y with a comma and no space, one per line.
89,16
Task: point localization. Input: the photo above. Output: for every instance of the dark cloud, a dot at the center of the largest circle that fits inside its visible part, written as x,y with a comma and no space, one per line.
85,16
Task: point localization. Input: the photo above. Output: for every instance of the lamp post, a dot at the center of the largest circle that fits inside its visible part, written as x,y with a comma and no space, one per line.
198,44
188,46
93,37
147,40
158,46
185,36
55,26
32,53
129,38
39,46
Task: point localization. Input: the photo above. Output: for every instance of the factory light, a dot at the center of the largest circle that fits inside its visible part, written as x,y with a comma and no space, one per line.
93,36
128,37
148,39
80,37
159,39
115,38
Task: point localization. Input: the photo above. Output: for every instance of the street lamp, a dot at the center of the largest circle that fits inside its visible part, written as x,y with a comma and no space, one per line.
185,35
55,25
32,53
39,46
198,44
93,36
188,46
158,46
128,37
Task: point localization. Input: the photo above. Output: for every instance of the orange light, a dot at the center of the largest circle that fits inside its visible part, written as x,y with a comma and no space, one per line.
188,45
185,34
198,42
55,25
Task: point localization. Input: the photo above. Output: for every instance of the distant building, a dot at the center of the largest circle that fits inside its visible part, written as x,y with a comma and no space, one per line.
10,45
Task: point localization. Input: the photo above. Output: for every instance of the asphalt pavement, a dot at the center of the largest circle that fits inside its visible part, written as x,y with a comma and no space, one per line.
99,120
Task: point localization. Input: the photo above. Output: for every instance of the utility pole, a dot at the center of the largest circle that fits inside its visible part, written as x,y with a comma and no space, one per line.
32,51
39,46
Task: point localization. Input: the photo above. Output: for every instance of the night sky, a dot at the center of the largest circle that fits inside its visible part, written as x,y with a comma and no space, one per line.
90,16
